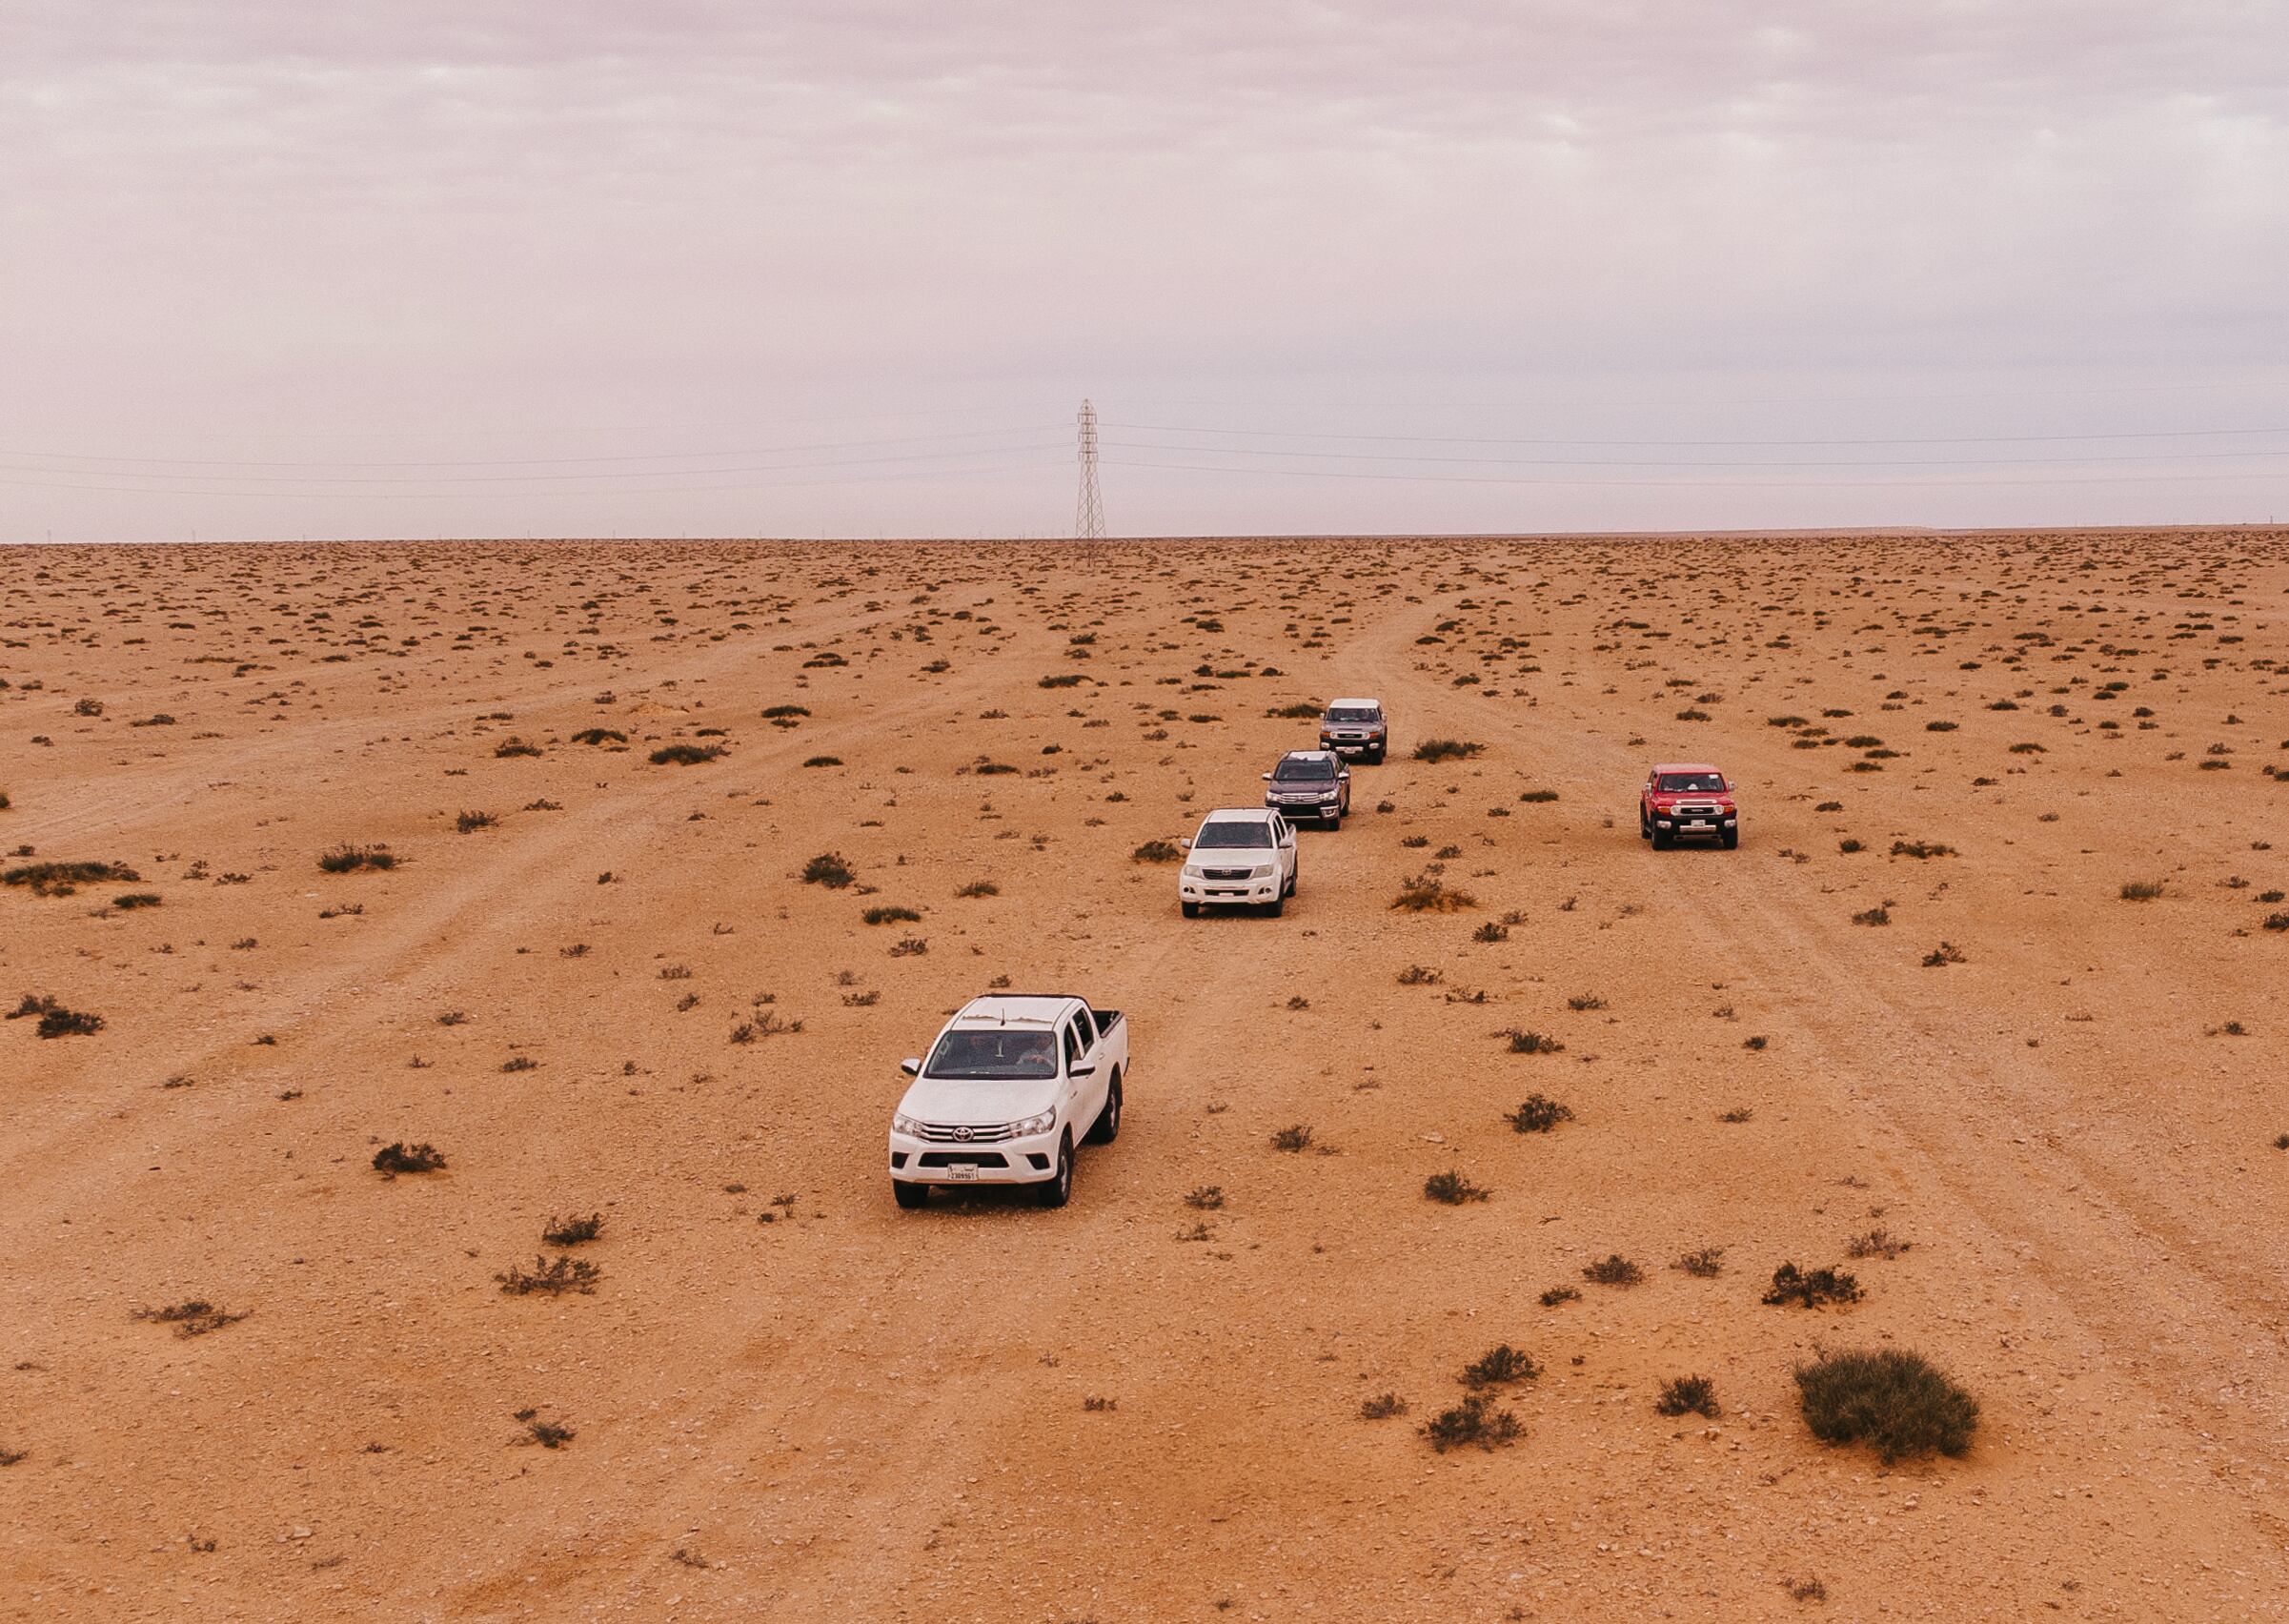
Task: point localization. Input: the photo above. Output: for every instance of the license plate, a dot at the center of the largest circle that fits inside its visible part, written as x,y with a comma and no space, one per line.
964,1172
1700,824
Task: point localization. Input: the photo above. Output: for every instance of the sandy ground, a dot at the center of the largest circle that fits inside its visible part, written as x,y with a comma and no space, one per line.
790,1400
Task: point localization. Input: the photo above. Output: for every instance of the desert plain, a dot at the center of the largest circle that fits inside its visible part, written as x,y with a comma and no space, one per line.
1986,1011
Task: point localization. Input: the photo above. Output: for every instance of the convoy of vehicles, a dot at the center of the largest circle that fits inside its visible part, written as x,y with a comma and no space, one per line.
1014,1081
1239,857
1687,800
1355,727
1310,783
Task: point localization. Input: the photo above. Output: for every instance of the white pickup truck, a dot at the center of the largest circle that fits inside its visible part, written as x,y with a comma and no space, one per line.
1013,1083
1240,855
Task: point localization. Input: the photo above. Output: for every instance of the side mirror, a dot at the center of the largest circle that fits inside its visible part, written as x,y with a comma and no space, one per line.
1185,845
1267,777
1086,1068
1345,775
911,1066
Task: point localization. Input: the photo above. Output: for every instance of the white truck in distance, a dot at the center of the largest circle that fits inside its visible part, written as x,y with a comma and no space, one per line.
1241,855
1013,1083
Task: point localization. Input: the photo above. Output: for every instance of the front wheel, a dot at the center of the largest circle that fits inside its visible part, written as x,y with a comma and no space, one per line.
1732,838
1192,910
1661,839
1277,905
1107,1126
1060,1189
908,1195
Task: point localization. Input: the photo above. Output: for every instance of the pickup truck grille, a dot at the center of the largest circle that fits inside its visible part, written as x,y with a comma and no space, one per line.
1696,809
1225,873
964,1133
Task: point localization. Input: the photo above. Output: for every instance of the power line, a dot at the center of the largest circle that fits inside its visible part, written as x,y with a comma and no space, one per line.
1483,440
1699,484
534,462
1680,463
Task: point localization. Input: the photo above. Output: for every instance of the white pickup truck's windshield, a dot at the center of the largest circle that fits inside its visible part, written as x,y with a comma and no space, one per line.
1290,770
1231,836
995,1057
1691,783
1353,714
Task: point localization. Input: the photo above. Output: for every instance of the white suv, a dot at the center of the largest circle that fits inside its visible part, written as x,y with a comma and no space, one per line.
1243,856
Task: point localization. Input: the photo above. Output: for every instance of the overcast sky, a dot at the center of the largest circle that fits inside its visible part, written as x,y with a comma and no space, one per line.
847,267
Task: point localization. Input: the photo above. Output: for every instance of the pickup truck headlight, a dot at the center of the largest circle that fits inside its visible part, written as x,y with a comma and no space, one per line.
1033,1125
902,1122
1264,871
1194,872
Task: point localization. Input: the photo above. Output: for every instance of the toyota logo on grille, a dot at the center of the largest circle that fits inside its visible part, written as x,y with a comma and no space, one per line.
961,1134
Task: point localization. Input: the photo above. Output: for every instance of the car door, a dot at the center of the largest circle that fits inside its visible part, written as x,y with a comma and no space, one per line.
1070,1060
1284,833
1089,1097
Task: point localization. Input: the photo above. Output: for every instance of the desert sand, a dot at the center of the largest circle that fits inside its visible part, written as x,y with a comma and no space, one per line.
788,1400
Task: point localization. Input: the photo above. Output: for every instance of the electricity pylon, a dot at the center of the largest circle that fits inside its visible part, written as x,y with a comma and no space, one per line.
1088,514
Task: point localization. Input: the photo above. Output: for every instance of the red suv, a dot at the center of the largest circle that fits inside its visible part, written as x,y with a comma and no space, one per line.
1687,800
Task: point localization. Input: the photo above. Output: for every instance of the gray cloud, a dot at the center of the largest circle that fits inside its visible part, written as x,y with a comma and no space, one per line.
239,230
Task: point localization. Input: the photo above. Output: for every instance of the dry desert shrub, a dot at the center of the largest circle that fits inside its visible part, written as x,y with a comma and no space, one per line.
1447,750
351,858
1426,893
1500,1366
195,1317
1811,1289
550,1277
399,1157
1899,1402
1613,1269
1687,1395
1538,1113
1452,1189
1473,1421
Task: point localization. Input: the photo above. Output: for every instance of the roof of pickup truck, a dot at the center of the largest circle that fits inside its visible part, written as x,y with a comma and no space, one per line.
1001,1008
1236,815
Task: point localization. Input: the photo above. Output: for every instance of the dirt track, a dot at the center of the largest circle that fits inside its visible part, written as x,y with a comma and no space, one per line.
851,1412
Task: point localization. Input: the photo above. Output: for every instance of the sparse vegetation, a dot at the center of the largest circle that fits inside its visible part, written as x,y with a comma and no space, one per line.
685,755
1452,1189
1156,851
1528,1041
1500,1366
351,858
1687,1395
1447,750
1704,1264
1811,1289
1292,1139
1473,1421
1896,1402
1876,1243
1383,1405
195,1317
1558,1295
889,915
1538,1113
1946,953
827,869
1426,893
63,879
399,1157
469,822
551,1277
573,1232
2140,891
1613,1269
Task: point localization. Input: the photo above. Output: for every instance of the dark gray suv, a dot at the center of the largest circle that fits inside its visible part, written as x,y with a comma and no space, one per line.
1310,785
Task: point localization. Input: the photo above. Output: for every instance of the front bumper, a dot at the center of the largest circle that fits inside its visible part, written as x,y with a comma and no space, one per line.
1213,891
1349,744
1697,825
1031,1160
1331,807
